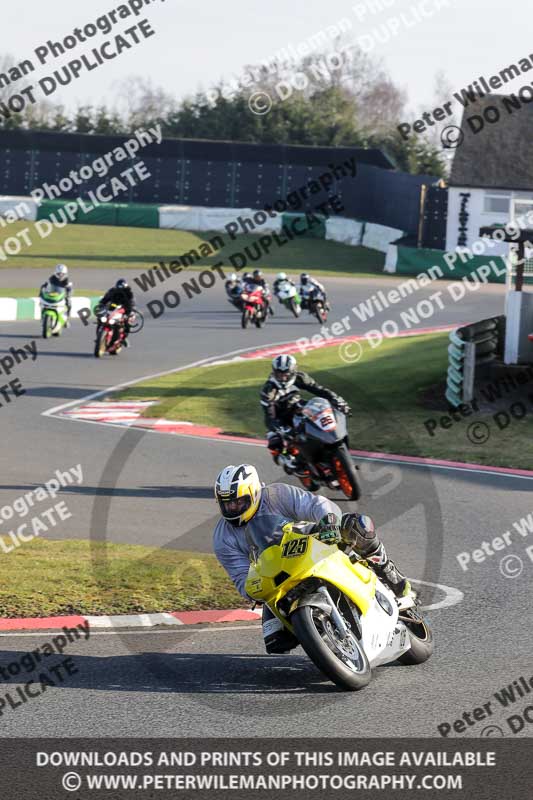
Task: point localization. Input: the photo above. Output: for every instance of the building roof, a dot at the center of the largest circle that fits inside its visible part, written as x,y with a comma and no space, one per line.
499,156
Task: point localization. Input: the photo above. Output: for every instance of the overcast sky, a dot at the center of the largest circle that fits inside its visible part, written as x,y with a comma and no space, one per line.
196,44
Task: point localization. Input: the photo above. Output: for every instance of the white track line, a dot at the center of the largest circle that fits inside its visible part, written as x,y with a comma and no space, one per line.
452,596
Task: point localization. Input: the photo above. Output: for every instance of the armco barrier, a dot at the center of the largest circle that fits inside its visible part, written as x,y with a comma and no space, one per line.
471,347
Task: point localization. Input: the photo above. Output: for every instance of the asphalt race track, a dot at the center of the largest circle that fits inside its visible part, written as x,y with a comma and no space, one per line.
215,680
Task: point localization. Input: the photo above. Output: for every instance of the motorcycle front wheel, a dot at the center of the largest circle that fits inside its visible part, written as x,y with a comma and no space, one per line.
294,307
100,344
321,313
345,473
245,319
342,660
48,325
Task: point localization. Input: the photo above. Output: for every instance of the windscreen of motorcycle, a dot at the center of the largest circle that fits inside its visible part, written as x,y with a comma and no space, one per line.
321,414
265,530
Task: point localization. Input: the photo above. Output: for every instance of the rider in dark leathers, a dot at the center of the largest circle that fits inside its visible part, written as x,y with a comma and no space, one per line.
121,294
280,397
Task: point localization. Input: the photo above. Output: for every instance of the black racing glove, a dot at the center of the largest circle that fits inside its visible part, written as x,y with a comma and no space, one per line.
343,407
328,529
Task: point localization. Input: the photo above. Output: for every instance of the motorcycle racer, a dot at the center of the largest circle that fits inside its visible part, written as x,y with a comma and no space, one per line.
258,279
246,504
280,397
281,277
121,294
60,280
234,288
311,289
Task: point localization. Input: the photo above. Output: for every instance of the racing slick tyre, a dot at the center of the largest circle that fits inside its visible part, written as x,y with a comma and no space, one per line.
48,325
343,661
259,320
100,344
345,473
294,307
321,313
245,319
420,636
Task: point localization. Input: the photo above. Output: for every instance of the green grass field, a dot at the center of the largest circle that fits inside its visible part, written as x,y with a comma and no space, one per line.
103,247
384,389
45,578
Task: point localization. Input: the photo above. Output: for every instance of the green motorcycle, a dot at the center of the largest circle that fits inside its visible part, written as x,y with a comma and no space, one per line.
53,311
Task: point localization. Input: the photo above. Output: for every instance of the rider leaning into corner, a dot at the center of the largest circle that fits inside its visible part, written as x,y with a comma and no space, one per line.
310,288
280,398
247,505
61,281
121,294
282,277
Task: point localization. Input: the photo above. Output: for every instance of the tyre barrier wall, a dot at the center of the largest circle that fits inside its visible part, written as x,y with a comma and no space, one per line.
26,308
199,218
472,347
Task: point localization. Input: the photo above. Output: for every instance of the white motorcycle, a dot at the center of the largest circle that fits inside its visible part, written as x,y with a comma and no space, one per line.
288,296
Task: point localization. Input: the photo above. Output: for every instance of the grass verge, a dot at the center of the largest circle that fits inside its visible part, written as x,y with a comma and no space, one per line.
107,247
46,578
385,389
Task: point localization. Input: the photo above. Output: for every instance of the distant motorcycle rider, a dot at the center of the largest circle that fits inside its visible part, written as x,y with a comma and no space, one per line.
121,294
247,505
61,282
280,398
248,281
281,277
311,289
234,289
258,279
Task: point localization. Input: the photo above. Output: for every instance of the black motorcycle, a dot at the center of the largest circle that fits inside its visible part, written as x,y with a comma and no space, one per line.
316,449
317,305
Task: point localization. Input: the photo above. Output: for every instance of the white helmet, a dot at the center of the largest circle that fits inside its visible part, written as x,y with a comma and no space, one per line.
61,271
283,371
238,493
233,276
281,276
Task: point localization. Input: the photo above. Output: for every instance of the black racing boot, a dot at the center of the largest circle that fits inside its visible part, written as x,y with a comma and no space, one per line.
388,572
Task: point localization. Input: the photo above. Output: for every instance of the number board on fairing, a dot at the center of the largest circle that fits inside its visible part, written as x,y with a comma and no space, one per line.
296,547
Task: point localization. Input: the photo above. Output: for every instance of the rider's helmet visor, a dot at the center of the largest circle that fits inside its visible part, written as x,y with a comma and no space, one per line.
231,509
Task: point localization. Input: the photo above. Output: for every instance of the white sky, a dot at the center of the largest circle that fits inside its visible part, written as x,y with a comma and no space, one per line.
196,44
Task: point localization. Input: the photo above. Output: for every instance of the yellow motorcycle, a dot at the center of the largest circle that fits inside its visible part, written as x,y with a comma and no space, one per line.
343,616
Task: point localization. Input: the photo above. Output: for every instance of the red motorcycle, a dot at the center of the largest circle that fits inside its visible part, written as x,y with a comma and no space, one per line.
109,330
255,307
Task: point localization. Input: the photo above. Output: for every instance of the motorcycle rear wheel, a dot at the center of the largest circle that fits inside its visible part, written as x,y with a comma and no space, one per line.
343,661
421,638
345,473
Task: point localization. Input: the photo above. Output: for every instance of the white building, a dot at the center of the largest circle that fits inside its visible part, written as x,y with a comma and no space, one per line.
491,180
